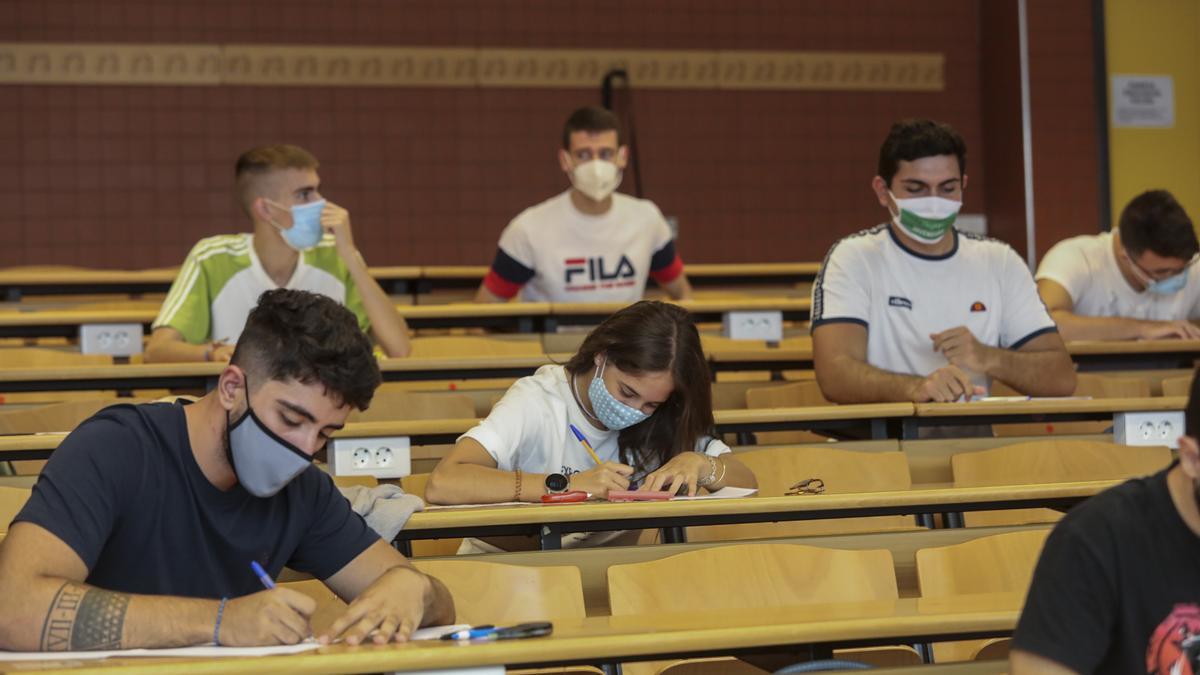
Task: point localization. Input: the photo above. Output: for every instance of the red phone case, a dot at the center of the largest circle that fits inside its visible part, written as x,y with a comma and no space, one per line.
565,497
638,496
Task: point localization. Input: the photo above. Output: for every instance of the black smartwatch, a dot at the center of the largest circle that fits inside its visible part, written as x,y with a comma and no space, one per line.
556,483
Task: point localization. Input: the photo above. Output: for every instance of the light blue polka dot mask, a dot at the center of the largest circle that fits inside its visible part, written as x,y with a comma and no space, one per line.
611,412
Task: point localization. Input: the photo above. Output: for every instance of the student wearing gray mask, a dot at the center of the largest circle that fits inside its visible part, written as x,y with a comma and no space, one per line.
141,528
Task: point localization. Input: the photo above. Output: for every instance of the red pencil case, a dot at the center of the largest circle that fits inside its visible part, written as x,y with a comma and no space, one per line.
565,497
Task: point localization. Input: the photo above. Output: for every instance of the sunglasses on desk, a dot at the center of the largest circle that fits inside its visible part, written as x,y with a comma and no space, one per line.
808,486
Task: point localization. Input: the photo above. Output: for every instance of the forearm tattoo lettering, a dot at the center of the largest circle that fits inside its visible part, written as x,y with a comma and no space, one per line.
84,619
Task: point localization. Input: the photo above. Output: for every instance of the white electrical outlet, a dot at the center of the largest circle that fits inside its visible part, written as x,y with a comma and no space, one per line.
753,326
1163,427
384,457
117,339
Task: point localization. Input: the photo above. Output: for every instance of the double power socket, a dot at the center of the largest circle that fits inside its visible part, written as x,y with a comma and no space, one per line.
381,457
116,339
1162,427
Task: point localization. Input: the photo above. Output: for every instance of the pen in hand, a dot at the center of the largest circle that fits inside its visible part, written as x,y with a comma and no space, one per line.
586,446
262,575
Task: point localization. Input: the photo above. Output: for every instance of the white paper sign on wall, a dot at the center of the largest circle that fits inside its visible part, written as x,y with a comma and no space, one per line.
1143,101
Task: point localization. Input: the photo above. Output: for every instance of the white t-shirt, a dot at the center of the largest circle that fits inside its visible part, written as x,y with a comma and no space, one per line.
902,297
552,252
528,430
1086,267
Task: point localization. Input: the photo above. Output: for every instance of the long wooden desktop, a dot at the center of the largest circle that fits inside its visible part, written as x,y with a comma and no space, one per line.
550,522
616,639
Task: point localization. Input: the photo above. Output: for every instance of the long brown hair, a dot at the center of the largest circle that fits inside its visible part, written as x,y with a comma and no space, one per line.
651,337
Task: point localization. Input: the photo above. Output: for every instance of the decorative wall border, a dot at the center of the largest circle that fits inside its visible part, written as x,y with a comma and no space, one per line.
268,65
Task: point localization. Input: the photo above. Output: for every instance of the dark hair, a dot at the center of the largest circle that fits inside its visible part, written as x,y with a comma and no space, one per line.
256,162
1154,221
594,120
310,338
650,337
913,139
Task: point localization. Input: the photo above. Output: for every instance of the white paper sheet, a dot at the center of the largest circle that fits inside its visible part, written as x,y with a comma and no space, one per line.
207,651
723,493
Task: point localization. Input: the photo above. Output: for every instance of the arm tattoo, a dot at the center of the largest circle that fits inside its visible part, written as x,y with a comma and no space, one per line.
83,618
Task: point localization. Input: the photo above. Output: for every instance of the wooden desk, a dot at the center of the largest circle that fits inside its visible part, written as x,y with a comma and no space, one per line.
550,522
702,310
1134,354
793,353
202,376
15,283
614,639
1043,410
1094,356
420,432
700,275
869,420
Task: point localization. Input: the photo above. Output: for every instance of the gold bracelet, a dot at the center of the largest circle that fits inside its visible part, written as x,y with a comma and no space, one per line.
724,468
517,494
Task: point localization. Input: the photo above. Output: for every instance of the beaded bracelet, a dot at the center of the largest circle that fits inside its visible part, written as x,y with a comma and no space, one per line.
517,494
712,473
217,628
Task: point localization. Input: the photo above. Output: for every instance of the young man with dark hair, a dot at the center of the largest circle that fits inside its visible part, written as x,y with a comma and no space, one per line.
299,241
590,243
1116,588
1129,286
913,310
141,528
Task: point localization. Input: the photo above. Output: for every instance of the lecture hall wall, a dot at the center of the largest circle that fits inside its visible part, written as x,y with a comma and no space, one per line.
131,176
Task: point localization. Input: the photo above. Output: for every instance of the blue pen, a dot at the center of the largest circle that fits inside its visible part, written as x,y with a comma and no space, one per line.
586,446
471,633
262,575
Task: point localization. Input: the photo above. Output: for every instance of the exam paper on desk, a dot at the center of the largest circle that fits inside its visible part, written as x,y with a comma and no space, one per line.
207,651
723,493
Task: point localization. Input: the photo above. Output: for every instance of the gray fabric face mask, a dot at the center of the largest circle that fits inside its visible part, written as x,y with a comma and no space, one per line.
263,462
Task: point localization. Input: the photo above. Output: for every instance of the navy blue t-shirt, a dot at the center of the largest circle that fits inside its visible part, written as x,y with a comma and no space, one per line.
125,492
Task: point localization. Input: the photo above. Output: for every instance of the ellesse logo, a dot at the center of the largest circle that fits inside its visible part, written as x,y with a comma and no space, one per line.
978,306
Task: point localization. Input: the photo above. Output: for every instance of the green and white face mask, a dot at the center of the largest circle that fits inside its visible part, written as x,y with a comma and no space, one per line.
926,219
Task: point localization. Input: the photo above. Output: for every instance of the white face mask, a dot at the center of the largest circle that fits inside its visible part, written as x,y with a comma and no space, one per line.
597,179
926,219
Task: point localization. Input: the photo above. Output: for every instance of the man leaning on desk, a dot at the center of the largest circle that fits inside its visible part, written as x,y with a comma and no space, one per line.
1131,284
141,529
300,241
914,310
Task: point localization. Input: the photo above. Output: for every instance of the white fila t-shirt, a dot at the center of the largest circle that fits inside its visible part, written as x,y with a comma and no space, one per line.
528,430
552,252
1086,267
902,297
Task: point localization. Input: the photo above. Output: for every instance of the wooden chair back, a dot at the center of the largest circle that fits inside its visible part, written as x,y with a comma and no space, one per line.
1049,461
389,406
495,593
796,394
999,563
745,576
843,471
1094,385
1177,386
476,345
35,357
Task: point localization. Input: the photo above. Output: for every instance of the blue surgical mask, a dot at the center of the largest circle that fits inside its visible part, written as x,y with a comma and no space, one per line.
263,462
611,412
1170,285
306,230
